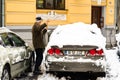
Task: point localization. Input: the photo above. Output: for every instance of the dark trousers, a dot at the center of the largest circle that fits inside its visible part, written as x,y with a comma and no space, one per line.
39,58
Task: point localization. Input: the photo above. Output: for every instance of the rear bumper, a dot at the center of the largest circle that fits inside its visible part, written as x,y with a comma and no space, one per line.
74,67
79,74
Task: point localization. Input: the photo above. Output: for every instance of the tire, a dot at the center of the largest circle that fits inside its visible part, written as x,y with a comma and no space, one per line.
6,74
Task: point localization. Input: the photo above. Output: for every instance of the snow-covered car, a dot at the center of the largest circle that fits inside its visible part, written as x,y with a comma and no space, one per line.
76,47
15,55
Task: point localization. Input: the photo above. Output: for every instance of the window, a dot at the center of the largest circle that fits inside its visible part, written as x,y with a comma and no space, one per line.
7,41
16,40
51,4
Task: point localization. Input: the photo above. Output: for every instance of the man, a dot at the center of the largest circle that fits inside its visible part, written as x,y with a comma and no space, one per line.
38,31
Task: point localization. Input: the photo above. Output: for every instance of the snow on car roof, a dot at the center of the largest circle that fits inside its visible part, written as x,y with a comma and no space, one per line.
4,29
77,34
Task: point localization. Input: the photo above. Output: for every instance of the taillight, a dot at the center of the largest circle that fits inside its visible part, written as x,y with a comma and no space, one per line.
57,51
53,51
100,52
95,52
92,52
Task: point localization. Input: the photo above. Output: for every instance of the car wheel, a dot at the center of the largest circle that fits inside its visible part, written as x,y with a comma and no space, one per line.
6,74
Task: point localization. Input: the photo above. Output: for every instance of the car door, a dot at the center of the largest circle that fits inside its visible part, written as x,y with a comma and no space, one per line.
19,51
11,52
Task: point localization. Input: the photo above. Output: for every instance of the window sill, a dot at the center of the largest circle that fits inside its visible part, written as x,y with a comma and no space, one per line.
48,10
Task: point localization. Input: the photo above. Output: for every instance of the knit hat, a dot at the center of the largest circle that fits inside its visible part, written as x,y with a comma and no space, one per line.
38,18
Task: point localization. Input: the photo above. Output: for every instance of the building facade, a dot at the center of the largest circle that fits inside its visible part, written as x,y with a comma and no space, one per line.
23,12
19,15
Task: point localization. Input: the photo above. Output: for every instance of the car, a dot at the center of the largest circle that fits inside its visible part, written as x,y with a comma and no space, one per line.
76,47
16,56
118,44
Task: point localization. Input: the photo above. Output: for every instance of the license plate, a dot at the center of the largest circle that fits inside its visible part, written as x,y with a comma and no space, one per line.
74,52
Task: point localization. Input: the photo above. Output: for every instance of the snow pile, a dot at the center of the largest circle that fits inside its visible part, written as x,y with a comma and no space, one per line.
77,34
4,29
12,53
2,54
113,65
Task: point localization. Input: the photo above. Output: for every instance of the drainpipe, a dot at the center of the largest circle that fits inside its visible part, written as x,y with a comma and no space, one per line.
115,11
3,13
0,13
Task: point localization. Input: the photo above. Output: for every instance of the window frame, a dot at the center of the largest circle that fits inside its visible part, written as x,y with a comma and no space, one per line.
54,5
6,38
11,35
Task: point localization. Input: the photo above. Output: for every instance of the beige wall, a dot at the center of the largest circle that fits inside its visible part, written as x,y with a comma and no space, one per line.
23,12
79,10
98,3
110,12
20,12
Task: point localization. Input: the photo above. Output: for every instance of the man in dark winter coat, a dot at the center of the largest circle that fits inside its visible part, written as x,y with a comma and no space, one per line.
38,30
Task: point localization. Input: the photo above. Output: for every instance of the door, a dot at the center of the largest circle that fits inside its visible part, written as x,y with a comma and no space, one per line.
97,15
19,52
15,52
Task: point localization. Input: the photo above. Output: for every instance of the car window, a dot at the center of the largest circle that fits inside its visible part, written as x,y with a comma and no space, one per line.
6,40
16,40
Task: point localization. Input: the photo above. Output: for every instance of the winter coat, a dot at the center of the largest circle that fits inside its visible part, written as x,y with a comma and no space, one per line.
37,35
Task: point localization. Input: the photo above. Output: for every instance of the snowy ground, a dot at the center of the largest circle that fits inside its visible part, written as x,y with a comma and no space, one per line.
113,65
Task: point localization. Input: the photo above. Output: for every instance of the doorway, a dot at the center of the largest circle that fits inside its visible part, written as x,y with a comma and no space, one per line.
97,16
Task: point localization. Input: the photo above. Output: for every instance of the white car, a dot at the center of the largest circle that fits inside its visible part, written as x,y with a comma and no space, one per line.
76,47
15,55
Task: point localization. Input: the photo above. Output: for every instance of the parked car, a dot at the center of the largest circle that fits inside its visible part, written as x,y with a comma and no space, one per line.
15,55
76,47
118,44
